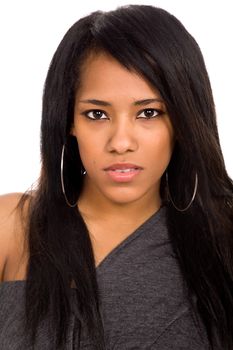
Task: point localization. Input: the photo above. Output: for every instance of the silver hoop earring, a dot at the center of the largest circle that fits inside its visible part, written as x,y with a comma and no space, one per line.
62,180
194,193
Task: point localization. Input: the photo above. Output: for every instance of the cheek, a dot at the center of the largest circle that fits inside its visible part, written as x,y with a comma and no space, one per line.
89,150
159,149
86,148
167,138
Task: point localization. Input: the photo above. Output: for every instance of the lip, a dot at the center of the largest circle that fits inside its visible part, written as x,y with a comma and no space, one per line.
123,166
122,177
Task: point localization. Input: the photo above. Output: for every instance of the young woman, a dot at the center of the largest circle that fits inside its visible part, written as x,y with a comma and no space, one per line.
126,243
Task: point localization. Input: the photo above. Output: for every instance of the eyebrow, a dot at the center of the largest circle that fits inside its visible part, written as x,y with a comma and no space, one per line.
136,103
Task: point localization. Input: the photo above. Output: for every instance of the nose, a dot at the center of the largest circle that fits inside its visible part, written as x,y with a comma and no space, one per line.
122,137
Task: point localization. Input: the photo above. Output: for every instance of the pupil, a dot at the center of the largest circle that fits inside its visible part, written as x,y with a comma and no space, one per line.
149,112
98,114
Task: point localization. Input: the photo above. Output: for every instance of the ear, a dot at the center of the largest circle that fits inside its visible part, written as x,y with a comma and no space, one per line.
72,130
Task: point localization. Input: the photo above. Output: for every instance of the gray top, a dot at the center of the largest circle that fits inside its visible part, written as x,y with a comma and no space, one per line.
143,299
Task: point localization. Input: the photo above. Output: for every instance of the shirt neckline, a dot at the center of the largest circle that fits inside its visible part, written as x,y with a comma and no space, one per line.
146,224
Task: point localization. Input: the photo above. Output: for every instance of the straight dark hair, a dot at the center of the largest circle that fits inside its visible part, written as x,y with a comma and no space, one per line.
153,43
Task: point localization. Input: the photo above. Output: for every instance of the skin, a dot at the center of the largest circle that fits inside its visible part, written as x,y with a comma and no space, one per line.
112,211
122,135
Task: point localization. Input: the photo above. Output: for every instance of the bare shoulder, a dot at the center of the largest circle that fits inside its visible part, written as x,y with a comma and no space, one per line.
13,247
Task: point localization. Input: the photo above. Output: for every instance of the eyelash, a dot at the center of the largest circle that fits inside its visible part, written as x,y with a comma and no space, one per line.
160,112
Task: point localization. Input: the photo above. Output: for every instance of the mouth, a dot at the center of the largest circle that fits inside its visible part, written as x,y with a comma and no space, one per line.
123,175
127,170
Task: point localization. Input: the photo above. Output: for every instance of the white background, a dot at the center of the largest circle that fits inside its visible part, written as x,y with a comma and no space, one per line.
30,32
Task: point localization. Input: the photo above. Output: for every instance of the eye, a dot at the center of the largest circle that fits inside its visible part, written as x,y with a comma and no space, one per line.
97,114
150,113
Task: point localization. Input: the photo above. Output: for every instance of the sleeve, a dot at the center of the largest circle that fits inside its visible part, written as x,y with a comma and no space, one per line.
182,333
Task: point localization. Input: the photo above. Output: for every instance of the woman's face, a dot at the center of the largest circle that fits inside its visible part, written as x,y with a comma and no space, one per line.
115,127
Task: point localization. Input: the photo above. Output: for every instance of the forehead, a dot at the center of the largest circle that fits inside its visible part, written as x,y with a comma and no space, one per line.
102,73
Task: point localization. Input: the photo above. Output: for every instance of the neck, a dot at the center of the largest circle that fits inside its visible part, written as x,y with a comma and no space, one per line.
96,206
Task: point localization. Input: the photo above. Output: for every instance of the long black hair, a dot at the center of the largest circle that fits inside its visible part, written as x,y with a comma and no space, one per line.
156,45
